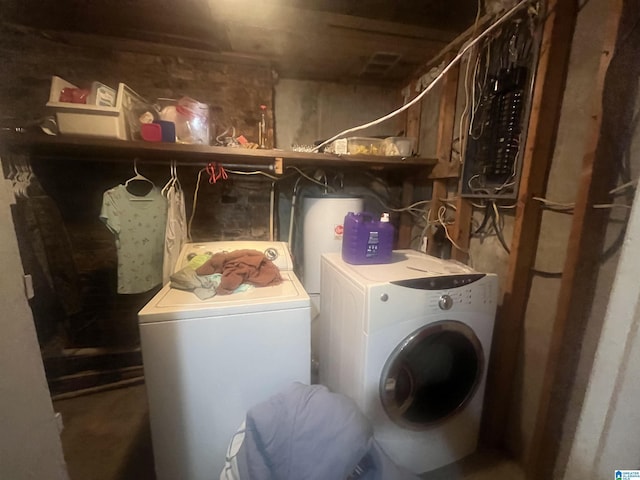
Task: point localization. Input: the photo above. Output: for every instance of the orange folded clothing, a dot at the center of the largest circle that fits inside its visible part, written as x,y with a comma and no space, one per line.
241,266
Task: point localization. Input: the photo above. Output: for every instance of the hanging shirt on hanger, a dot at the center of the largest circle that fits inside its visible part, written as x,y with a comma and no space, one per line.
176,230
138,223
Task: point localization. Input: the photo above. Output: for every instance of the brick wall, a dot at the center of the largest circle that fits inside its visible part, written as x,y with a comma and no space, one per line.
235,209
233,91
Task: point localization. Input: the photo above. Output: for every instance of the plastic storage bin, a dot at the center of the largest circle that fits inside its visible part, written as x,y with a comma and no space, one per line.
399,146
102,95
190,117
94,120
364,146
366,240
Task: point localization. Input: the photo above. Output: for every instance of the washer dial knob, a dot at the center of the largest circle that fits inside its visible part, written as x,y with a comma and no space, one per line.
445,302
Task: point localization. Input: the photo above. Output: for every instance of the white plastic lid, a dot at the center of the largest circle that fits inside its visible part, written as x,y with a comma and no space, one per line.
384,217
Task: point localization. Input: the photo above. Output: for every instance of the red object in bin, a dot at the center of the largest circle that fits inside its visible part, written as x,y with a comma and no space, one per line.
151,132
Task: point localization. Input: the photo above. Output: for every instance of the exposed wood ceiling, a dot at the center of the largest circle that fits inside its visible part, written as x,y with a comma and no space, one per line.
372,41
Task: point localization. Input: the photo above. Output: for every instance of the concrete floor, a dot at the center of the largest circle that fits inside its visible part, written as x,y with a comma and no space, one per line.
480,466
106,437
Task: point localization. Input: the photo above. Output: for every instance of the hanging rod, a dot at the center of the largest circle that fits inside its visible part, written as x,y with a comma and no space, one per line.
235,166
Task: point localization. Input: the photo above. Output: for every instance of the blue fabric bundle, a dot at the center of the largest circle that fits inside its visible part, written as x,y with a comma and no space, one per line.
307,432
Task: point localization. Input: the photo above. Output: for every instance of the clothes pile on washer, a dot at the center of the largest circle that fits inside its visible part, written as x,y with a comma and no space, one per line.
224,273
308,432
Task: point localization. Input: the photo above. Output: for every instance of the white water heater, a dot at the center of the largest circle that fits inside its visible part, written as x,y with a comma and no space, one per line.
323,218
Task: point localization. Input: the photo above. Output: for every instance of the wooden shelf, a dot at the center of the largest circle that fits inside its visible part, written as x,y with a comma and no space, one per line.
107,149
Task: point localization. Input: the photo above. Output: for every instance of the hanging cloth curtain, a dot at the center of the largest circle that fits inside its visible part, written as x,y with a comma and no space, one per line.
176,229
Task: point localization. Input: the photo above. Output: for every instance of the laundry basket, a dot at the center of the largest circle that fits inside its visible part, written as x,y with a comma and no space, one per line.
308,432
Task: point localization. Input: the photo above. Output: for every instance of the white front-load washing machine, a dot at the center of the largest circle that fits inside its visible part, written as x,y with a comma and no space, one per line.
409,341
206,362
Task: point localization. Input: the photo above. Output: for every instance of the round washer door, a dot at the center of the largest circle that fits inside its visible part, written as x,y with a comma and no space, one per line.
431,374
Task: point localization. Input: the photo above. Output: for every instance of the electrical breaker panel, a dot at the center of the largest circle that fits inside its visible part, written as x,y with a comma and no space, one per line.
500,84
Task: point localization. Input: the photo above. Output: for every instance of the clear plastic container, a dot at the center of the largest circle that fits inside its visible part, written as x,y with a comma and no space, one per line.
190,117
399,146
364,146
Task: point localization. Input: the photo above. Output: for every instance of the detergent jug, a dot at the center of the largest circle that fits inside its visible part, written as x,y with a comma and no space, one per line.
367,240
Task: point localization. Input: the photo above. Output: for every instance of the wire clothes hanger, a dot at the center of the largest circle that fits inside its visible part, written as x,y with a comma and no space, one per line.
173,181
139,185
20,174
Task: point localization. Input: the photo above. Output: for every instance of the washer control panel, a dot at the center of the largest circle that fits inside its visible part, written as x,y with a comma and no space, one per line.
443,282
478,294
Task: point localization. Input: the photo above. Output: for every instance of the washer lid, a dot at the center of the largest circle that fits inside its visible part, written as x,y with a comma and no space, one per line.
173,304
407,265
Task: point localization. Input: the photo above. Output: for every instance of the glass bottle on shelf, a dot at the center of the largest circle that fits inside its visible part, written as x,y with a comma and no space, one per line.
262,127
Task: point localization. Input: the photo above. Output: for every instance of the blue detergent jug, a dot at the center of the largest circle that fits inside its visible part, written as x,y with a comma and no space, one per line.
366,240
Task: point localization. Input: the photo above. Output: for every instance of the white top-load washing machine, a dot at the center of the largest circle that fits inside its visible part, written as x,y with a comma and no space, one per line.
206,362
409,341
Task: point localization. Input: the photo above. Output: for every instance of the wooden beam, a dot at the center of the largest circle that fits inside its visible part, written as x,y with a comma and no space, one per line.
541,136
447,114
439,191
616,87
414,118
279,16
462,230
406,222
412,129
455,45
110,43
446,124
445,170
